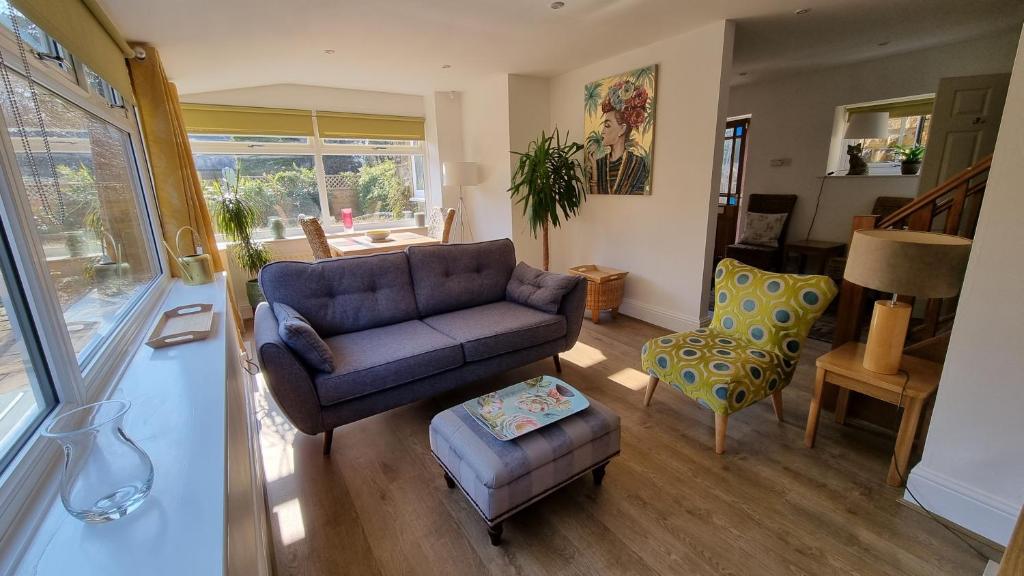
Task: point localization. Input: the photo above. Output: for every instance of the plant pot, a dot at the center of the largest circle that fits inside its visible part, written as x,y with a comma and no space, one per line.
277,228
254,294
75,244
910,168
106,271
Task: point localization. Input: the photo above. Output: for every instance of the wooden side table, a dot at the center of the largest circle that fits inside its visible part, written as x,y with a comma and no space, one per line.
818,249
605,287
843,367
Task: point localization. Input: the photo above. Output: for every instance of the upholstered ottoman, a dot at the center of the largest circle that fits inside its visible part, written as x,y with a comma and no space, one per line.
502,477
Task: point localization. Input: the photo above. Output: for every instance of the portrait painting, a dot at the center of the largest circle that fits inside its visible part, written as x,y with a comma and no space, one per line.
619,127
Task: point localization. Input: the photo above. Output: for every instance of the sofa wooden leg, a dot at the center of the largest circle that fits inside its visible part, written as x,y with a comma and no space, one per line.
495,533
328,439
777,404
721,422
651,385
595,316
558,363
599,474
449,481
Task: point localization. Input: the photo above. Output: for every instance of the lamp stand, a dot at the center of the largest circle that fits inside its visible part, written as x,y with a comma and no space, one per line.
460,224
888,332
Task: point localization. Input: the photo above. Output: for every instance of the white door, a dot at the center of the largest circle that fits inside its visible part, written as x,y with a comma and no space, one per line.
964,125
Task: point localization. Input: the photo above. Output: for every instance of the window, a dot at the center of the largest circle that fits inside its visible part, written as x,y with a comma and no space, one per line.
733,156
45,48
909,123
382,182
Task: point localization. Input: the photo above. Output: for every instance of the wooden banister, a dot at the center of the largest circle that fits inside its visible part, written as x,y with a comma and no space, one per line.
933,195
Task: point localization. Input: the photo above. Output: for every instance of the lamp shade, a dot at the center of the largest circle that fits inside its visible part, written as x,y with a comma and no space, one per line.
461,173
867,125
908,262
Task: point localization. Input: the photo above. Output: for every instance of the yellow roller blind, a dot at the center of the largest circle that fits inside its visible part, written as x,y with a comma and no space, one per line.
369,126
79,25
917,107
240,120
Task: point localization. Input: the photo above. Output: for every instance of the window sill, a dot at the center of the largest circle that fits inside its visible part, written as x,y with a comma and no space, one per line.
271,241
179,410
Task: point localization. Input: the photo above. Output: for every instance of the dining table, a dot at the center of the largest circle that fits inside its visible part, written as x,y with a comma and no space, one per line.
363,245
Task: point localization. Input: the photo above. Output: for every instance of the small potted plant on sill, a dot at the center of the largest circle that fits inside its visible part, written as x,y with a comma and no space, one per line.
548,180
236,218
910,158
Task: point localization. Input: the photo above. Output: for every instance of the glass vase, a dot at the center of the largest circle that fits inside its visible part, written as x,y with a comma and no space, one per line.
105,475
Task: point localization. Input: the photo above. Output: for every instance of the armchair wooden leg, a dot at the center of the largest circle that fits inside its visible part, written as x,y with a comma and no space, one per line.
777,403
328,439
721,422
558,363
651,385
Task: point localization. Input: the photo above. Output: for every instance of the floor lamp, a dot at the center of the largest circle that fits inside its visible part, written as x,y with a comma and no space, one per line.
461,174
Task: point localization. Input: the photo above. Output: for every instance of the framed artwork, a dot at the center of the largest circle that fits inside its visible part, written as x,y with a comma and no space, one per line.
619,127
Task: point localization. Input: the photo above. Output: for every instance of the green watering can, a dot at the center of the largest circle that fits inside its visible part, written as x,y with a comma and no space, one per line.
195,268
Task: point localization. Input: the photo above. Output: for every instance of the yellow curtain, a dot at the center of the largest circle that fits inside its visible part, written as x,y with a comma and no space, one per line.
179,195
245,120
917,107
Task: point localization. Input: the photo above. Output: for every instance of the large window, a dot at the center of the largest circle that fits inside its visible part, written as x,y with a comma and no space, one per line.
734,155
909,123
376,183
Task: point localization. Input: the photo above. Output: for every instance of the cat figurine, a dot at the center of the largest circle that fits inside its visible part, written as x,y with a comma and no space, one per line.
858,167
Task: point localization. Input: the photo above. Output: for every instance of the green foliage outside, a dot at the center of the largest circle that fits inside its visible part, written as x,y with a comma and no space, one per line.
382,189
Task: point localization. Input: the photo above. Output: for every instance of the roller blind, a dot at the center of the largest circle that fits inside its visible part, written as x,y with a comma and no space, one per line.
368,126
917,107
82,28
249,121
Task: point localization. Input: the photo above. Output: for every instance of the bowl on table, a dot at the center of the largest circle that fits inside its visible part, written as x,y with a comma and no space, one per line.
378,235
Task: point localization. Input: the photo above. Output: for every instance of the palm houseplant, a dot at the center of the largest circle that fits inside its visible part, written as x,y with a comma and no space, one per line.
237,217
910,158
548,183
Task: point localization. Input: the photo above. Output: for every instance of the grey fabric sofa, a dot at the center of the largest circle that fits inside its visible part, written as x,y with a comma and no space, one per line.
402,326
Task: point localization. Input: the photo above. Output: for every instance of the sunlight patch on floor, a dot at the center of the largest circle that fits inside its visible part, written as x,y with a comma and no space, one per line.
289,521
583,355
630,378
276,436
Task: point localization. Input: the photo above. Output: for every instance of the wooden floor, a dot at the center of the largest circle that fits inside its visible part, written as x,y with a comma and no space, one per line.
668,504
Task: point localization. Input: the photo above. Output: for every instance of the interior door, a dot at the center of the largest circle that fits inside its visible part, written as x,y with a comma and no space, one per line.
965,122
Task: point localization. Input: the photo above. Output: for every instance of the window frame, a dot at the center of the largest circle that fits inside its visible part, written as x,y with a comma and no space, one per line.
317,147
35,464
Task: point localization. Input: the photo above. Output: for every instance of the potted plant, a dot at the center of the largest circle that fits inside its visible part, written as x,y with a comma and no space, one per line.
548,180
236,217
911,158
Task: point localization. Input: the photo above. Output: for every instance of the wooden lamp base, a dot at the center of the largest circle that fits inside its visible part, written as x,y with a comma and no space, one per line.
888,332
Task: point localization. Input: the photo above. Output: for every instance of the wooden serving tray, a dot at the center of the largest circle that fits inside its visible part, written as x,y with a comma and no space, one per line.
182,324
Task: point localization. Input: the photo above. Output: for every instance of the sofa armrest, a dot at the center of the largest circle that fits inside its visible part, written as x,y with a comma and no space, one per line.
288,379
572,307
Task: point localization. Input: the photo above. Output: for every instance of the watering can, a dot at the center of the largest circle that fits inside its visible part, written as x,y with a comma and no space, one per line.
195,268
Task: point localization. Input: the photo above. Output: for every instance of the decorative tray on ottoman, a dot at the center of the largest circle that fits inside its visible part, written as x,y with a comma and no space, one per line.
524,407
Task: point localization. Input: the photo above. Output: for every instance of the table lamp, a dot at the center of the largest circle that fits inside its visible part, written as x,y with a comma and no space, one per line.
923,264
461,174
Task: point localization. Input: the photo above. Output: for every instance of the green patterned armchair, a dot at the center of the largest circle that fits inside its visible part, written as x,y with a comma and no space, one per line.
751,348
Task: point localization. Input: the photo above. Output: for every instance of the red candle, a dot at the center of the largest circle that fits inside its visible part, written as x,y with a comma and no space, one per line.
346,217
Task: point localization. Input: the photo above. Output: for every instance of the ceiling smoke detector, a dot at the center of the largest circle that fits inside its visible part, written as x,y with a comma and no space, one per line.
557,5
328,51
445,66
801,11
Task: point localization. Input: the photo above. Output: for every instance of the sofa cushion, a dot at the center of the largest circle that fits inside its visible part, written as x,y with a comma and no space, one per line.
538,289
450,277
381,358
497,328
345,294
300,337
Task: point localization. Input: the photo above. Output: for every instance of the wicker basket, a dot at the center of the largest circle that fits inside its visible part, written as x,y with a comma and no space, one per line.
604,288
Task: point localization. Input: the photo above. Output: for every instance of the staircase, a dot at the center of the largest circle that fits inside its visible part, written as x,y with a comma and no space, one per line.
951,208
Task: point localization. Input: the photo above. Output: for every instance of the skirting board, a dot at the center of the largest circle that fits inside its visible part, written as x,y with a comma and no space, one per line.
976,511
661,317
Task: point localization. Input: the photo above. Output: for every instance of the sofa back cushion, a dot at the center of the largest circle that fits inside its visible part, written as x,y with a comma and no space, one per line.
450,277
344,294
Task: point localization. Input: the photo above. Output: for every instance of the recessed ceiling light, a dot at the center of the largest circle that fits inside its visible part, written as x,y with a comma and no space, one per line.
801,11
328,51
557,5
445,66
884,43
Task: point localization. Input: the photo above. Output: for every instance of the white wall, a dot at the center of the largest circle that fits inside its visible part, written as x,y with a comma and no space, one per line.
661,239
529,113
792,117
444,140
485,124
973,467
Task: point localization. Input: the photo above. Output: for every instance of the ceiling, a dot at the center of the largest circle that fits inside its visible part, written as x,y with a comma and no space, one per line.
401,45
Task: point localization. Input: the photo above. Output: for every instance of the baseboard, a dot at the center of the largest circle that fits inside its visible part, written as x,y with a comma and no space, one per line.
981,513
660,316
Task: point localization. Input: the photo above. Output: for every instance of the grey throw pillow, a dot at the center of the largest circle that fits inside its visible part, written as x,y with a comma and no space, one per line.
762,229
537,288
302,339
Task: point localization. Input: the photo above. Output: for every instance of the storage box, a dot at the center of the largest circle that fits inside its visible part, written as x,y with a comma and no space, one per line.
605,287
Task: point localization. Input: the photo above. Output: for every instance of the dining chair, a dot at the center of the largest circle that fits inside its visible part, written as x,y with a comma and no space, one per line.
314,232
440,225
750,349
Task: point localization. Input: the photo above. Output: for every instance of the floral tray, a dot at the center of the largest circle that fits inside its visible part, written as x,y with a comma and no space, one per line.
524,407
